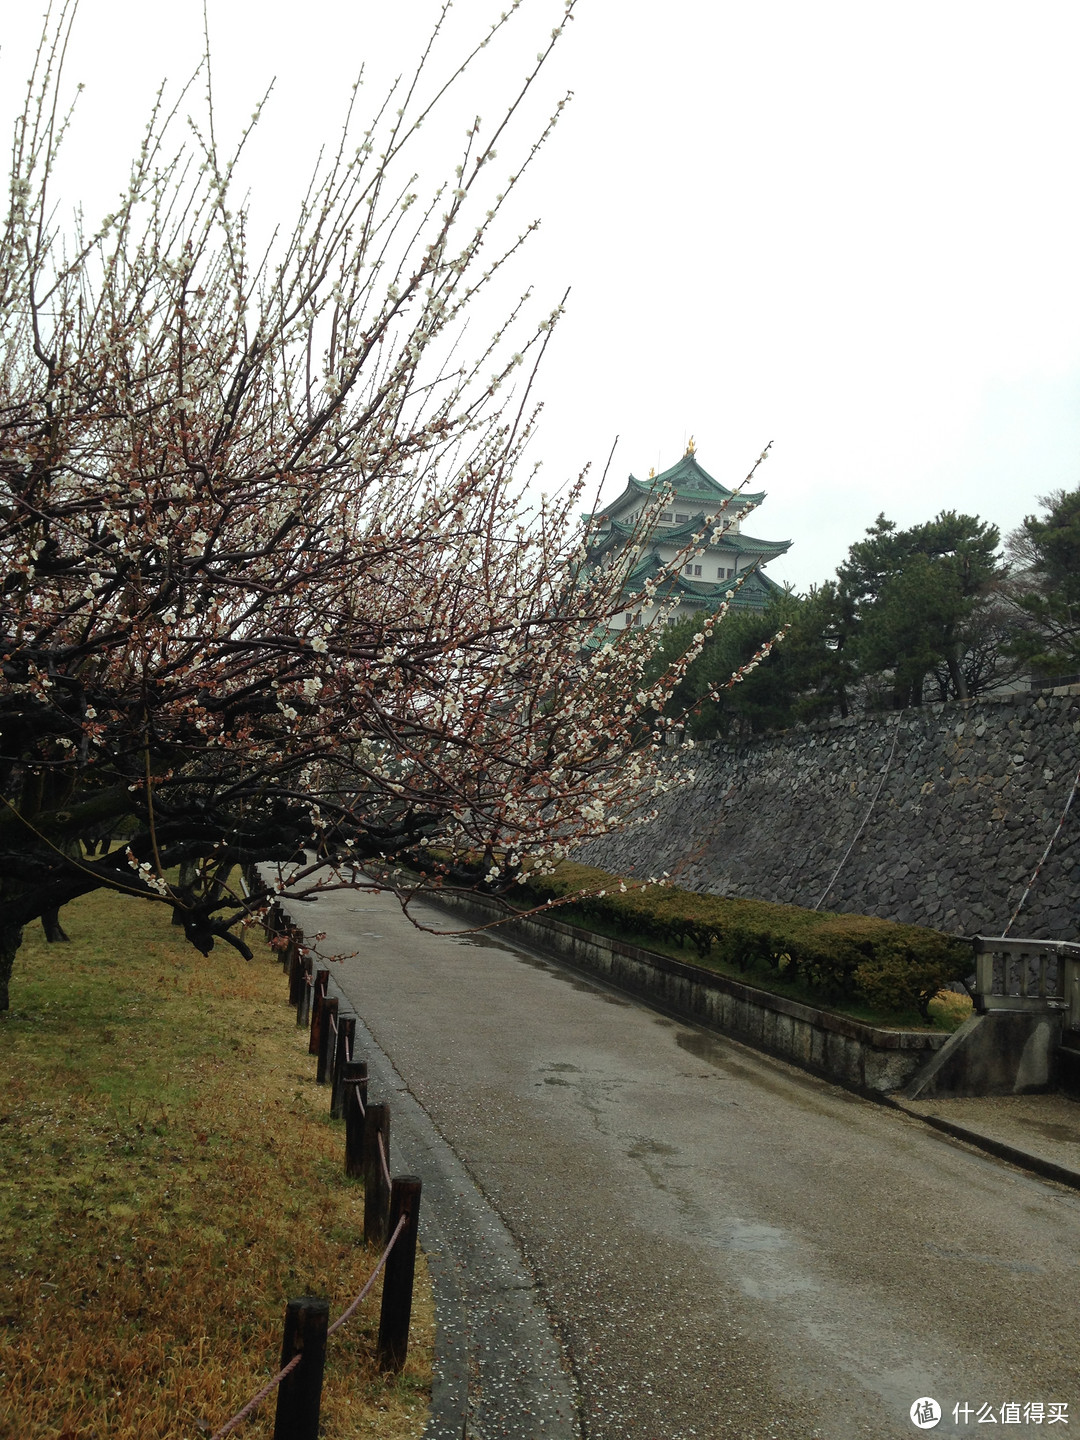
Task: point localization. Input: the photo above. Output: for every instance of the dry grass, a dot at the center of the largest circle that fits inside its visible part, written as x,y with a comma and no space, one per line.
949,1010
168,1178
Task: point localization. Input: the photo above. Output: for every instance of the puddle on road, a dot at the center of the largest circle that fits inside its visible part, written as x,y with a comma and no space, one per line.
1069,1133
746,1235
575,981
568,977
777,1288
644,1146
654,1157
968,1258
802,1091
481,941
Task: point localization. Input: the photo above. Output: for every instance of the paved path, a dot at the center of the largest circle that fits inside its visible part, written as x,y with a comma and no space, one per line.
728,1246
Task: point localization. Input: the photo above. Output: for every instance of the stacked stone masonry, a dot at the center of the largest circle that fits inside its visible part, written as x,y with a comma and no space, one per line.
970,793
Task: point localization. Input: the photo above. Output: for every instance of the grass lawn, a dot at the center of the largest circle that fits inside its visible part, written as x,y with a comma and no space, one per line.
169,1177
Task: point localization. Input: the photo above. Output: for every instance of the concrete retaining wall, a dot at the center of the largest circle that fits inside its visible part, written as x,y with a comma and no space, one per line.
864,1057
1000,1053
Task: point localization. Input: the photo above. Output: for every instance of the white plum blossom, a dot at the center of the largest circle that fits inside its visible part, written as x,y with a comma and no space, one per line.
304,586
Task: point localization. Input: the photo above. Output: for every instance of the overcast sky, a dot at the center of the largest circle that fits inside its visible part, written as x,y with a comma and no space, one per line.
850,228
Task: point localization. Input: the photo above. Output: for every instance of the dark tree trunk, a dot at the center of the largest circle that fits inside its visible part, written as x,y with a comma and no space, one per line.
10,940
185,888
50,923
956,674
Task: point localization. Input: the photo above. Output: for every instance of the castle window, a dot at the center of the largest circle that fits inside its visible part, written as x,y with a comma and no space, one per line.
681,519
687,569
666,517
697,569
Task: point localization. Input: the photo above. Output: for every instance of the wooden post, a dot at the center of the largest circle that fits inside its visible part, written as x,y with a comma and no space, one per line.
296,971
354,1070
300,1394
287,952
393,1343
376,1190
303,1003
327,1022
346,1038
322,979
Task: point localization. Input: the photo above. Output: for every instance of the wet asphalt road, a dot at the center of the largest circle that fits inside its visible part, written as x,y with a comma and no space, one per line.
726,1245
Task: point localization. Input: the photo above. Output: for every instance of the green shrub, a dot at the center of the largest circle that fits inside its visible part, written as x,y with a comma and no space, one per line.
890,966
902,981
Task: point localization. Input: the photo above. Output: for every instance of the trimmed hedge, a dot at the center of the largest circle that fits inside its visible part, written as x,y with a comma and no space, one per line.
840,957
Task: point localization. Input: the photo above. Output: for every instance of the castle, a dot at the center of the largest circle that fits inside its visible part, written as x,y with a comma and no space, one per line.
733,562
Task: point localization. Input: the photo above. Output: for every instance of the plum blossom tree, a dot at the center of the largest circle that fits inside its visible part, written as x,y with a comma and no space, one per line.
271,584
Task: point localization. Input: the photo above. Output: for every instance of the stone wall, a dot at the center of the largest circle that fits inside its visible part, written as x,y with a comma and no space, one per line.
967,797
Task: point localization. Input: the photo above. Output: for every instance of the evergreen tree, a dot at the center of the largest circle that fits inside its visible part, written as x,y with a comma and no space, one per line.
913,594
717,696
1046,586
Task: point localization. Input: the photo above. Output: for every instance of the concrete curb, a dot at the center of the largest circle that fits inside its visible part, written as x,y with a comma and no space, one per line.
1063,1174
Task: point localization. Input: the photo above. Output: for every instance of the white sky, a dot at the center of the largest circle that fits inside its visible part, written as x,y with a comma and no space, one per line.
850,227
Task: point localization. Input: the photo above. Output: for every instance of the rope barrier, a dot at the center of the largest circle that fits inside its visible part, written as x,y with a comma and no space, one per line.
346,1314
253,1405
256,1400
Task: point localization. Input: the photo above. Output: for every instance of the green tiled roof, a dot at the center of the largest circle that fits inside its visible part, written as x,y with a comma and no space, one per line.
753,588
692,484
616,533
732,540
688,478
